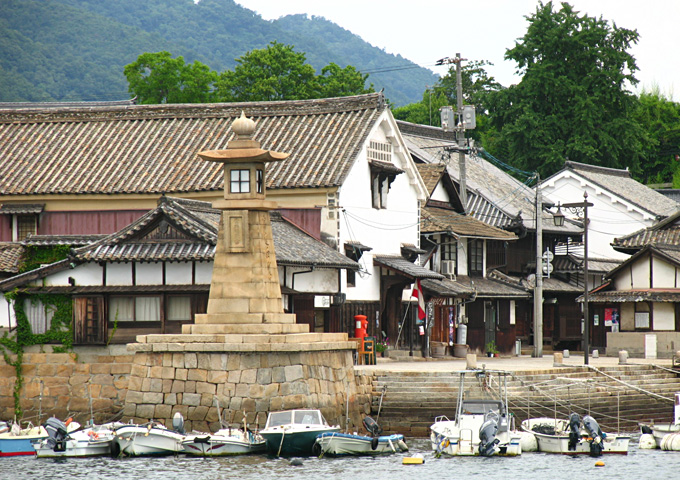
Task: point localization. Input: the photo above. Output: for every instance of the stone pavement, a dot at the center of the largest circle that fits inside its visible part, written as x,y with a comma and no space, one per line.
509,363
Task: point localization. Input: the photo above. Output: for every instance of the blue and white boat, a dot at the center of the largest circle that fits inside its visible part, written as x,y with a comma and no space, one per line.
19,441
294,432
338,444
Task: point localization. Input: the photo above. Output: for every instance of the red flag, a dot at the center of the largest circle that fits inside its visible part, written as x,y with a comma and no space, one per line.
418,293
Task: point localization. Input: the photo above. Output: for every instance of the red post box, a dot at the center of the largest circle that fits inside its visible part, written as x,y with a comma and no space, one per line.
360,326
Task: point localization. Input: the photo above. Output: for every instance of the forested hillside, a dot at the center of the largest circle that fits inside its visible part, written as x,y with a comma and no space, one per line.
77,49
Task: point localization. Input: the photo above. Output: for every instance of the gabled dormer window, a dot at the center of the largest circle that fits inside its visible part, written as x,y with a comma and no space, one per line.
383,171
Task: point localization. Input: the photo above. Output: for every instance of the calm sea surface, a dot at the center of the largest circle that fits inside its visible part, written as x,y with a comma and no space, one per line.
638,464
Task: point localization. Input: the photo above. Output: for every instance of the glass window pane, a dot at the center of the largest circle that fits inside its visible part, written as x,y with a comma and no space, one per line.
179,308
147,309
121,309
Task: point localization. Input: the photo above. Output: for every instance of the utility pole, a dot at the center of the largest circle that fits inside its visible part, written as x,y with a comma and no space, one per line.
460,134
538,289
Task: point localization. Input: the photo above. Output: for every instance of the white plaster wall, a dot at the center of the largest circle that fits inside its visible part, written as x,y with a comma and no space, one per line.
86,274
204,273
610,216
640,271
150,274
7,317
440,194
622,280
664,273
119,274
318,281
178,273
664,316
382,229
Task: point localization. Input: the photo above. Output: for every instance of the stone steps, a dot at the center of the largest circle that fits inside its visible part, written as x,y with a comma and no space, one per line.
413,399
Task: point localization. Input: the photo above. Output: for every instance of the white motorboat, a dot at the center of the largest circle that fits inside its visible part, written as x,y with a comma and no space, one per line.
573,437
336,444
19,441
93,440
660,430
482,425
294,432
226,441
151,438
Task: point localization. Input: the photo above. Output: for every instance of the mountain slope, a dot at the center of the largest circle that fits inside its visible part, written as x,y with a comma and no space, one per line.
77,49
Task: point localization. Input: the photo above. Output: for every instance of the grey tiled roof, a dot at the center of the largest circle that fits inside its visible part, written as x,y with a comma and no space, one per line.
494,196
665,232
441,220
403,266
621,183
489,288
10,255
446,288
21,208
152,148
73,240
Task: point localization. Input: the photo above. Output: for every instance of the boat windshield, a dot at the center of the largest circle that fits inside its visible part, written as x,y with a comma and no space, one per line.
276,419
481,407
308,417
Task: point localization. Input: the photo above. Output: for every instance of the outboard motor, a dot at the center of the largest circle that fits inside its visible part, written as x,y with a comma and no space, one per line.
178,423
596,434
373,429
574,431
56,431
487,435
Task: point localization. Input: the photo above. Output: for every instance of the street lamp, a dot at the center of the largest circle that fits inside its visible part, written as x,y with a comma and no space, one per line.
558,218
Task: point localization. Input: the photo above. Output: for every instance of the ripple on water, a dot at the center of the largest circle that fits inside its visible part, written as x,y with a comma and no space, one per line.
637,464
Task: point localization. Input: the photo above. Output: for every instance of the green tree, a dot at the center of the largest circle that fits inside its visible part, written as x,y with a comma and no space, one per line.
660,119
159,78
273,73
425,112
572,100
342,82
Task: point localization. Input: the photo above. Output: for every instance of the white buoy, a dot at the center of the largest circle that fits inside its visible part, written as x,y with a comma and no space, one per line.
528,442
647,442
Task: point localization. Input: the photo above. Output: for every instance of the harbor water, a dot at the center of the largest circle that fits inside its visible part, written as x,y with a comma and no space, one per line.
638,464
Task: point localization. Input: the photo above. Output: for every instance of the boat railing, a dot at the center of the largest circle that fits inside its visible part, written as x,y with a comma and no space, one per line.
441,418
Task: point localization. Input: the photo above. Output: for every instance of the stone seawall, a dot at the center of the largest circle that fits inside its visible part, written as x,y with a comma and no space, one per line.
62,384
156,385
163,383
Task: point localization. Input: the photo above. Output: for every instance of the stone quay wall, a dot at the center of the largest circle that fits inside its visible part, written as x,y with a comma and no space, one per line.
146,385
190,382
64,384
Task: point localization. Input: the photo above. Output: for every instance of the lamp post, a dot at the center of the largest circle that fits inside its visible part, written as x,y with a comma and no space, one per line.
578,208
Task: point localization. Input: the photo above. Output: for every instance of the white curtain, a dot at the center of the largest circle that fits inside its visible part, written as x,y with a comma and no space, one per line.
121,309
148,309
37,317
179,308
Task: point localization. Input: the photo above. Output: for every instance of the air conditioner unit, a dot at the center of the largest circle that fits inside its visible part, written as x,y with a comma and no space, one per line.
449,269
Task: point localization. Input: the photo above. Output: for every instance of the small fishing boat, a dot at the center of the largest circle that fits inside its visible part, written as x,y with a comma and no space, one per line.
574,436
294,432
660,430
93,440
336,444
226,441
19,441
151,438
482,425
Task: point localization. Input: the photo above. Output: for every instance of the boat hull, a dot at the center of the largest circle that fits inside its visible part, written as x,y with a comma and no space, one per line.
448,438
21,444
139,440
222,444
662,429
294,442
559,442
338,444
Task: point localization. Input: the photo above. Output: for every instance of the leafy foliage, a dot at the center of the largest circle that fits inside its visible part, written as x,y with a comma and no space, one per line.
60,331
159,78
34,256
660,119
572,101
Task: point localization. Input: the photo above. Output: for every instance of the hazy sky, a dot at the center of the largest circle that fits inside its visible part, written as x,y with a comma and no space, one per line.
427,30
